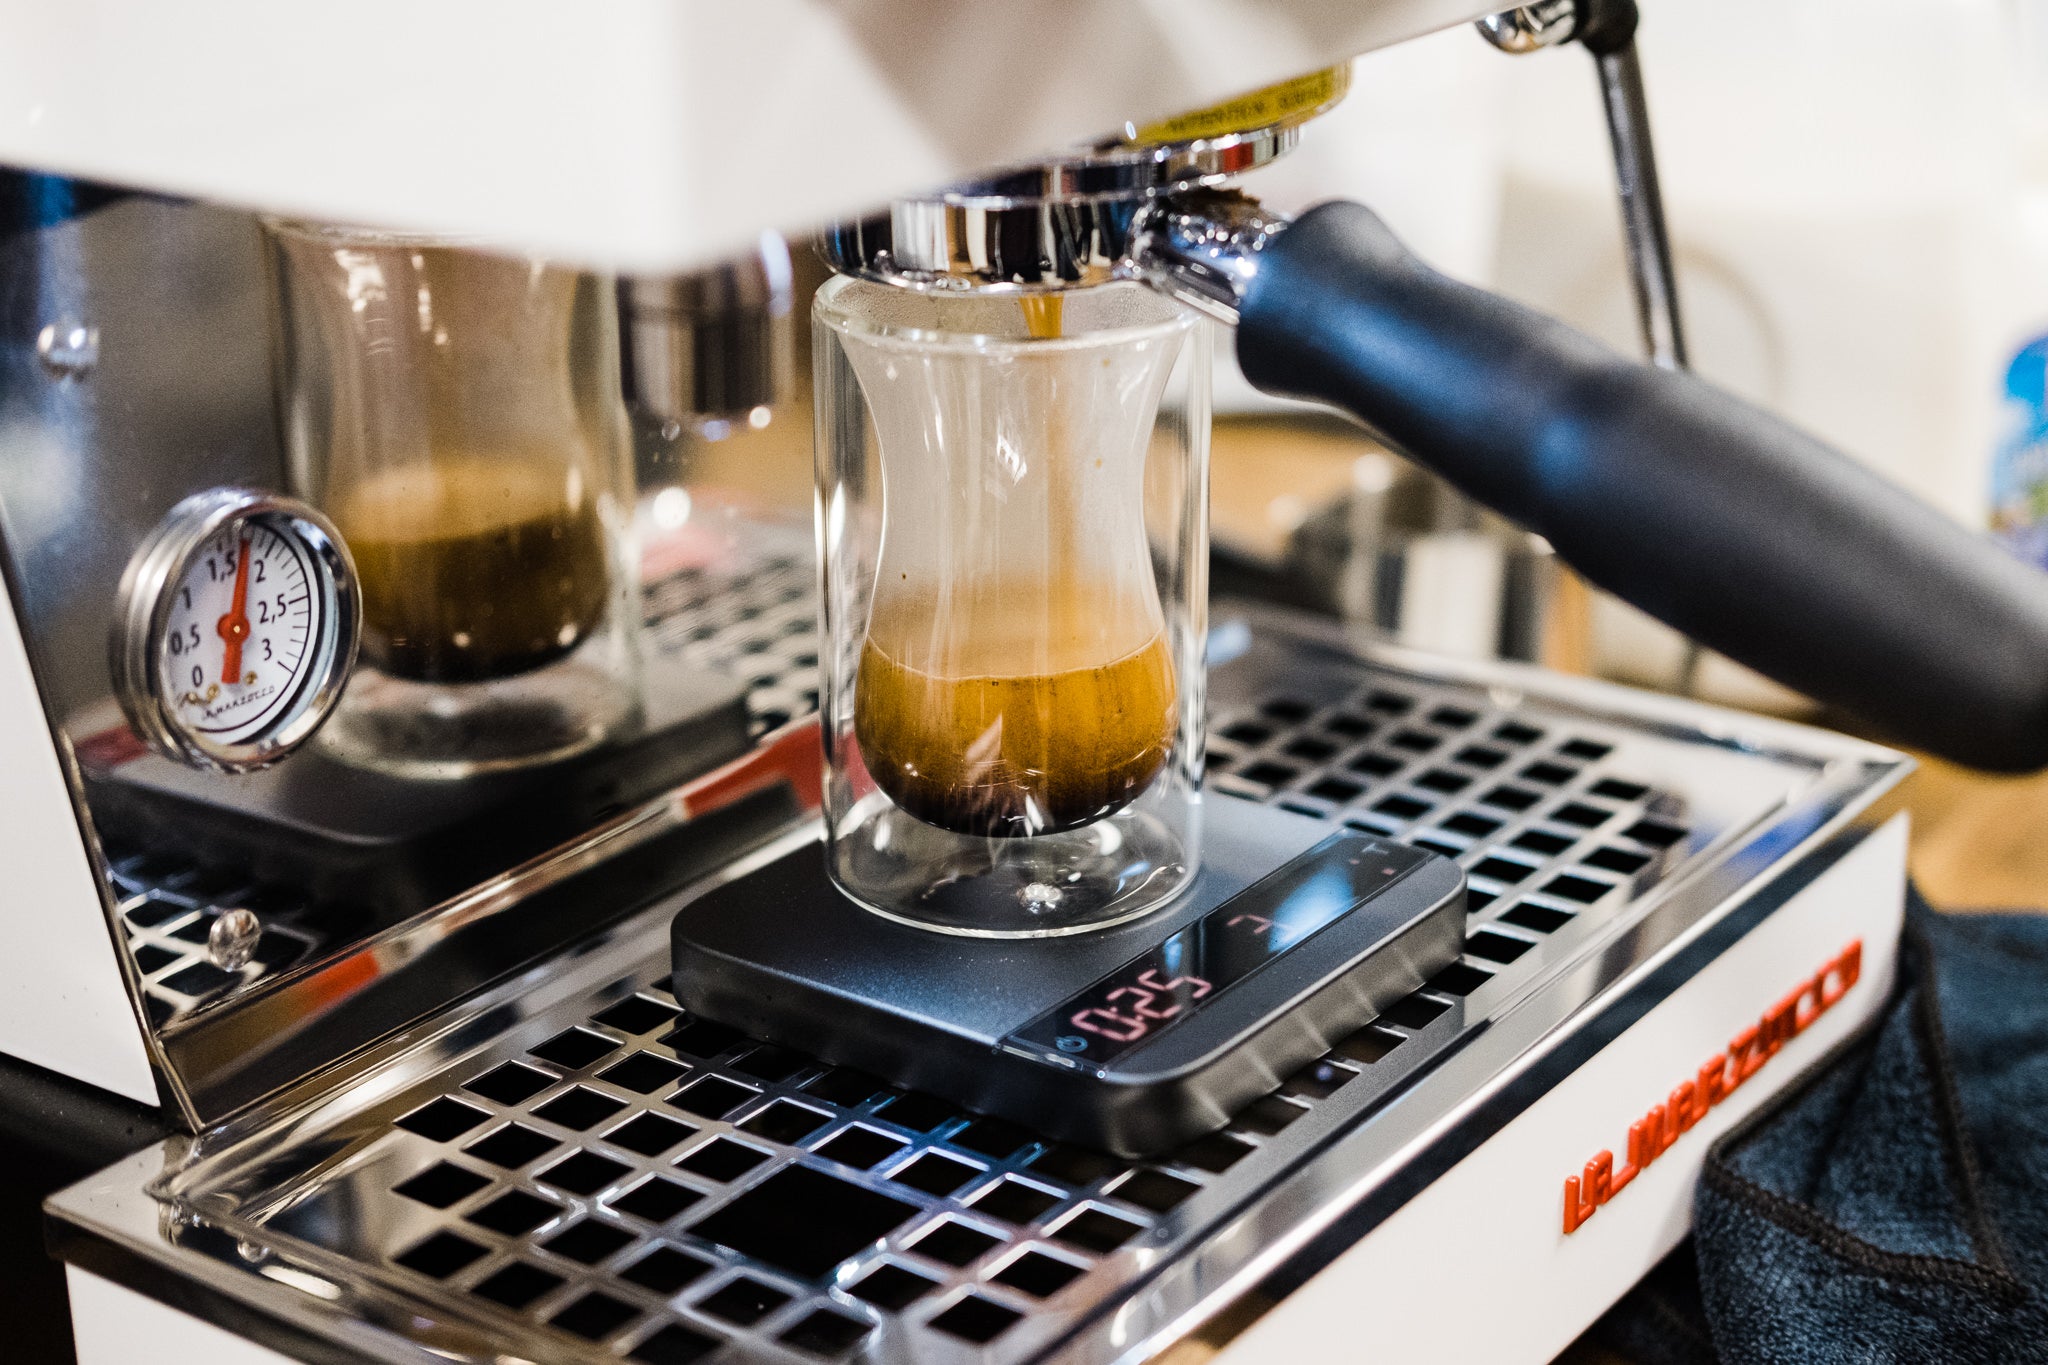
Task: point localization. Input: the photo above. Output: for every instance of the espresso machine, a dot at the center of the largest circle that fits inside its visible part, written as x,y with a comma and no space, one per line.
943,933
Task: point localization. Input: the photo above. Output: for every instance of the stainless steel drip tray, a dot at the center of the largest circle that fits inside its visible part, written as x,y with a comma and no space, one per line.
572,1168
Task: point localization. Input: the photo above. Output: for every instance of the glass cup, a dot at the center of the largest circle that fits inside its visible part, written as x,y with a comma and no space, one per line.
1013,521
457,414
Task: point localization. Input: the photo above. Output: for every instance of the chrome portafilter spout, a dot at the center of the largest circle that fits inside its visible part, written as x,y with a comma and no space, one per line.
1717,518
710,351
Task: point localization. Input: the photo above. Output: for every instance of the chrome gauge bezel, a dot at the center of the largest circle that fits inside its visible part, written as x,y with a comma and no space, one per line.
143,607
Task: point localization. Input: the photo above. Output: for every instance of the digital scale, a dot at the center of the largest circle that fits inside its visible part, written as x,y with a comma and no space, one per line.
1132,1039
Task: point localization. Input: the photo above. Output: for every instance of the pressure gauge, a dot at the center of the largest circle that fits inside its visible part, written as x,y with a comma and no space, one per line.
235,629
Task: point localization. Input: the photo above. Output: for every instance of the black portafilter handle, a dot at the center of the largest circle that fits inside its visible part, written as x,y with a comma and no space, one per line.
1713,516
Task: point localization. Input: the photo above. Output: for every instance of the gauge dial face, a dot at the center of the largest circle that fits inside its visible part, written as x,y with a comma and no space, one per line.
238,641
236,629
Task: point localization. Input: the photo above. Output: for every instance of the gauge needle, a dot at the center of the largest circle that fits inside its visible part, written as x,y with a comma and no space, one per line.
234,627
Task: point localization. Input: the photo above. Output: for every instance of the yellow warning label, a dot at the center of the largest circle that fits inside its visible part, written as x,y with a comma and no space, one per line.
1287,102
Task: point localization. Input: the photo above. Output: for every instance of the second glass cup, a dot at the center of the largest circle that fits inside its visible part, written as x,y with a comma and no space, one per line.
1013,518
457,413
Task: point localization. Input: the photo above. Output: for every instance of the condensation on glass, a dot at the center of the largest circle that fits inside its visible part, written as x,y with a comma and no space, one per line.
457,413
1013,521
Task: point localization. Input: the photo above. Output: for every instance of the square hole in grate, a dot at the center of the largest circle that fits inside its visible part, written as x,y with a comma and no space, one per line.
1586,749
154,910
1616,860
1155,1190
1496,947
1480,756
1269,774
1549,774
636,1014
744,1301
992,1137
196,933
1460,978
1077,1166
572,1049
518,1285
1013,1201
845,1087
861,1148
1584,890
1310,749
442,1185
1654,833
1287,709
1541,918
975,1319
1438,847
1443,780
713,1097
1375,765
1478,826
1215,1153
595,1316
1580,814
150,958
579,1109
588,1241
1269,1115
1384,828
514,1212
773,1063
1511,798
955,1243
1038,1274
1389,703
826,1333
656,1201
649,1134
666,1271
702,1038
722,1159
1350,727
1453,717
1542,841
440,1255
1616,790
443,1119
936,1174
583,1173
1301,808
1514,732
1414,1012
892,1287
1402,807
510,1083
918,1112
1097,1231
1368,1045
1317,1080
1247,732
785,1121
803,1221
1335,789
1475,899
674,1344
643,1073
1414,741
512,1146
1501,870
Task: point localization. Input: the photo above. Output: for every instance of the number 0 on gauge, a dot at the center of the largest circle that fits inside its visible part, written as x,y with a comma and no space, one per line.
235,630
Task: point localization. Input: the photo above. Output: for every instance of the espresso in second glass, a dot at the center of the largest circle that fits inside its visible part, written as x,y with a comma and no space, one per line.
474,567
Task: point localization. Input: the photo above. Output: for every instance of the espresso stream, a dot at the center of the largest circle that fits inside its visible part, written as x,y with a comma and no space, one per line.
1046,711
473,567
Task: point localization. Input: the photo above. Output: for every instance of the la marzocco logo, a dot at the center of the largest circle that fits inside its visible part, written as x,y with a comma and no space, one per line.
1650,1136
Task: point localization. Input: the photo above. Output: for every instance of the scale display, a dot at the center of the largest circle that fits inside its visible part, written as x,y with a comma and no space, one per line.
1172,982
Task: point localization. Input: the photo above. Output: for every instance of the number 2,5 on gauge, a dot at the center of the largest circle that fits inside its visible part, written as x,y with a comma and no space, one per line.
235,643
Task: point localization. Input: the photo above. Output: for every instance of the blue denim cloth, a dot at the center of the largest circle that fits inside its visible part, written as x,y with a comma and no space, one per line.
1893,1206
